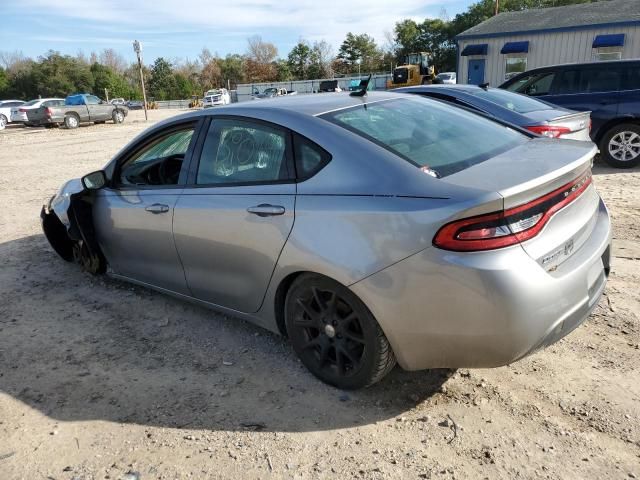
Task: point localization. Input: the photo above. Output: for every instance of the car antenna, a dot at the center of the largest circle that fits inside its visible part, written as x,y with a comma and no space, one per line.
364,84
484,86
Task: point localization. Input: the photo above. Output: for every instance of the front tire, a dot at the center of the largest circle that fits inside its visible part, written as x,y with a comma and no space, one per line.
620,146
335,335
3,122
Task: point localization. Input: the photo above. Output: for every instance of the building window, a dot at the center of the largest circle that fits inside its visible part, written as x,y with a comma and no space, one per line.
514,66
607,53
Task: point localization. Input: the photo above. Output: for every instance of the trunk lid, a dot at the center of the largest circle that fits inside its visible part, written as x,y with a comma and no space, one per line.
535,170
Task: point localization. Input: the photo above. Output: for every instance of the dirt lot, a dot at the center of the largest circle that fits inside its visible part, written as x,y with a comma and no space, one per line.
100,380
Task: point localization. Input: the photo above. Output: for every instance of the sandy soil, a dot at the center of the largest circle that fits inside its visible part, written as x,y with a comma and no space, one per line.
101,380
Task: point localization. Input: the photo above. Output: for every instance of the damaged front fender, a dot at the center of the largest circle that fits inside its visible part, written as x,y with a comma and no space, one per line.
67,222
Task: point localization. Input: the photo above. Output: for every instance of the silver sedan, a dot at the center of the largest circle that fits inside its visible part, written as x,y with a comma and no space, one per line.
369,230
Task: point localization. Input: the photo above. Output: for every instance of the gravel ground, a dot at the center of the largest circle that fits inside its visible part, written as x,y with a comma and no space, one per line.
101,380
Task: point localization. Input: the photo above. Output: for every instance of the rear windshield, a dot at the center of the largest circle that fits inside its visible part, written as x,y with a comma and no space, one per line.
428,133
31,102
513,101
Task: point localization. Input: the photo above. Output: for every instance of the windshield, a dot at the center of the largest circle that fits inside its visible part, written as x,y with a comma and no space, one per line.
31,102
214,92
428,133
513,101
446,76
270,90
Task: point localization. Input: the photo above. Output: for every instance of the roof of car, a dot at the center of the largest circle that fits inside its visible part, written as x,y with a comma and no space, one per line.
458,87
584,14
314,103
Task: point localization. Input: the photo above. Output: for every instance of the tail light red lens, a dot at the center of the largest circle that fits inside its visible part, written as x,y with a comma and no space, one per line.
509,227
550,131
22,110
48,112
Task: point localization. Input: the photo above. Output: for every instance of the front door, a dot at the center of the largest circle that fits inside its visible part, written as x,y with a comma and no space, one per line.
476,72
233,219
133,217
97,112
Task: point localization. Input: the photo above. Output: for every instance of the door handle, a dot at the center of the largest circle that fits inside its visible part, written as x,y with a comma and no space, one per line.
266,210
157,208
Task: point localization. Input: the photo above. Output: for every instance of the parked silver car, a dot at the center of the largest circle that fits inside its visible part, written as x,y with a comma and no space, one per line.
367,229
19,114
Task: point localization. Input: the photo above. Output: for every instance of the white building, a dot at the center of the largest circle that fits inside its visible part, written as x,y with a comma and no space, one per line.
513,42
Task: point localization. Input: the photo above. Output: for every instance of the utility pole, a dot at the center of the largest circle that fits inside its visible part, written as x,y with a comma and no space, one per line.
497,7
106,95
137,47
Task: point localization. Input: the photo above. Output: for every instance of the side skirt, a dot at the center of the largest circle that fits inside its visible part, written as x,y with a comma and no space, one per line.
253,318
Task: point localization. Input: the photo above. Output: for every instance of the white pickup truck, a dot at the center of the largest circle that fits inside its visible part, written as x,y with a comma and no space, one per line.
217,96
272,92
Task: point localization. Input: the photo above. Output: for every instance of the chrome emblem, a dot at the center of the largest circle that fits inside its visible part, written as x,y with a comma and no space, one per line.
568,247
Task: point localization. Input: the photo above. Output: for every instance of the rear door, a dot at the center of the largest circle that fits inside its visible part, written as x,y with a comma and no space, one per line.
591,88
133,217
233,219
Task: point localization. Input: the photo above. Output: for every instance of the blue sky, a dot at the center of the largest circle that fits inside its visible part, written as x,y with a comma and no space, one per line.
180,28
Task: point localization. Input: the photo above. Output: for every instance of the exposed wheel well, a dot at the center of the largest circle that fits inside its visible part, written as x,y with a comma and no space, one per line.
612,123
280,298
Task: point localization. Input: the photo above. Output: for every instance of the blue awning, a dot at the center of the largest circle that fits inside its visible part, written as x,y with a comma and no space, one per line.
515,47
615,40
478,49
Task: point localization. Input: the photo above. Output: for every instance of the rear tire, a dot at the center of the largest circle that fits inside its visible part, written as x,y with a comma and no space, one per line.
72,121
3,122
620,146
335,335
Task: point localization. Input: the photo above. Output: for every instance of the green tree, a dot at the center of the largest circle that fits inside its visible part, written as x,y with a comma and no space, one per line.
232,68
57,75
298,60
4,82
105,78
360,48
162,83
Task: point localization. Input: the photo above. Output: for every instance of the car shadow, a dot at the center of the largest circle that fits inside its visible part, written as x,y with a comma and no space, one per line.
79,347
600,167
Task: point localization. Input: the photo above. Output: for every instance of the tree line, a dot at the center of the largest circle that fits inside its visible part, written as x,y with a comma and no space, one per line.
54,74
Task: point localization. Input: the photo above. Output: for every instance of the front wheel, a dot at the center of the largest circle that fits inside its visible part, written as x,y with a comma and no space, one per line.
3,122
334,333
620,146
117,116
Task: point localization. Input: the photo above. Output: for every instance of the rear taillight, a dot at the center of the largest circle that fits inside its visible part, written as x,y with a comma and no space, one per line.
509,227
48,112
550,131
22,110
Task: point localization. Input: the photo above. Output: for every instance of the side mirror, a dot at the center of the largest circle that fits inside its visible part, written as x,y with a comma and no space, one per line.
94,180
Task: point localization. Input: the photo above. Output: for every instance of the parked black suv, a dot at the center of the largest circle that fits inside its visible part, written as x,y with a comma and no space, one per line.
610,90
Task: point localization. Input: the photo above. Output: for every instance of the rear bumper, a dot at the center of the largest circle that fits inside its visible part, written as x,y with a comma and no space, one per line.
18,117
484,309
582,135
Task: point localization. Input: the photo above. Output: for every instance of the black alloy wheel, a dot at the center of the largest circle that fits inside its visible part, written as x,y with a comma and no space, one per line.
334,334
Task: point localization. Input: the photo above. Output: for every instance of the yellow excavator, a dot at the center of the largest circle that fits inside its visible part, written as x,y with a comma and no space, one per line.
417,69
